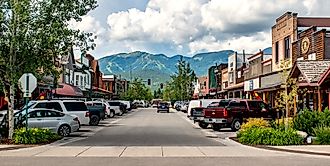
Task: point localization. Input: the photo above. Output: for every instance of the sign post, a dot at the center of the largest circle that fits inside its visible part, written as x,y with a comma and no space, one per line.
28,83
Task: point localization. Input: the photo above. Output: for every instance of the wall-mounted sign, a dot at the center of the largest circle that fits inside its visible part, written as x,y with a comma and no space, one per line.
305,44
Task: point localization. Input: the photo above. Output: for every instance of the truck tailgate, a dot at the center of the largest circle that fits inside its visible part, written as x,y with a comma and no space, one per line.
214,112
197,112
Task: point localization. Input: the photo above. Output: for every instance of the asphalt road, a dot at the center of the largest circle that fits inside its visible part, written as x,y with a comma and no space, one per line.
146,127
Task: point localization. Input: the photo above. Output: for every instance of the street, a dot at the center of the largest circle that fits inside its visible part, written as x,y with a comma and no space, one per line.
144,137
148,128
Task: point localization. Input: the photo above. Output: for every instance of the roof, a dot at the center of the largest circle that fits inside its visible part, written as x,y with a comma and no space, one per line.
312,71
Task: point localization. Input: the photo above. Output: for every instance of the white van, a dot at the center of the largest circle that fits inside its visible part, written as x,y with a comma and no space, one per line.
200,103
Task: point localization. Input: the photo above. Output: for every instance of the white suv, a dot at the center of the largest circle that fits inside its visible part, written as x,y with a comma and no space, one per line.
115,105
72,107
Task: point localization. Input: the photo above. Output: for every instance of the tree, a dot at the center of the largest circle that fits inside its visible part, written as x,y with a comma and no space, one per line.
137,91
287,98
158,94
180,87
33,34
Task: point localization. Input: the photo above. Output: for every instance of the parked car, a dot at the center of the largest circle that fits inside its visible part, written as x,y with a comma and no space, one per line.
140,103
108,111
195,110
235,113
128,105
116,106
184,107
56,121
163,106
72,107
155,102
96,113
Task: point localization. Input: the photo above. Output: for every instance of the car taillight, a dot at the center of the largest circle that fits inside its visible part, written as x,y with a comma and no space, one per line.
87,114
225,112
76,119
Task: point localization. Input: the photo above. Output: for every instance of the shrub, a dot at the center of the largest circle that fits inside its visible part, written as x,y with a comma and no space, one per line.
322,135
255,123
269,136
308,120
34,136
280,123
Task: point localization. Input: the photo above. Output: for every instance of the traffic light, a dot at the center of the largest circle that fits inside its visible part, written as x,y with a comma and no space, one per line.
161,85
149,81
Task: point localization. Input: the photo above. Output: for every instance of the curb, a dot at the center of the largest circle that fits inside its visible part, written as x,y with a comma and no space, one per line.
292,151
17,147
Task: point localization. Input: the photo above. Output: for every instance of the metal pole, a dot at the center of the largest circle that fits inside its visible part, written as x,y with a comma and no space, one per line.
26,112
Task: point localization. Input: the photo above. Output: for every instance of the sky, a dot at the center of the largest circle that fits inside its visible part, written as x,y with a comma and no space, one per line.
187,27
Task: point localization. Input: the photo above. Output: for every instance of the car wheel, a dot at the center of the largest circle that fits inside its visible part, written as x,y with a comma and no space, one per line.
203,125
235,125
112,114
94,120
64,130
216,127
121,113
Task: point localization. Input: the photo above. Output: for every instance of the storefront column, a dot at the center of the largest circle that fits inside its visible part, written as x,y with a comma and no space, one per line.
264,97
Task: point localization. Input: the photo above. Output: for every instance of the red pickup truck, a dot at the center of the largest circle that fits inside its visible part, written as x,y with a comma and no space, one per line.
235,113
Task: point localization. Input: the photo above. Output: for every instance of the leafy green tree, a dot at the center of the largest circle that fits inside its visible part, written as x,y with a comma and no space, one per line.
158,94
137,91
33,33
180,87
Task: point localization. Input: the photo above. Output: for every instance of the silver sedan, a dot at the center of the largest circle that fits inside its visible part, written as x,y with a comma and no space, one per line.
56,121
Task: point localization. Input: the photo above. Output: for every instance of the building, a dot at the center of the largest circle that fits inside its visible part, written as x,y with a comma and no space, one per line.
97,79
204,87
286,30
224,83
215,80
284,34
115,85
311,57
252,74
236,65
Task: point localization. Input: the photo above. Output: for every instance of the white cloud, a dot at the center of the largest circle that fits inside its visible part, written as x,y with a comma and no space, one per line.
192,26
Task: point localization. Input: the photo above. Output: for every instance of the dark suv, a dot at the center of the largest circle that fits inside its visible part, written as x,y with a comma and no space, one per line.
163,106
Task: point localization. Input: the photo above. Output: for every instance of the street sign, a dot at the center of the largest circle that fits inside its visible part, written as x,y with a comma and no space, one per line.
28,83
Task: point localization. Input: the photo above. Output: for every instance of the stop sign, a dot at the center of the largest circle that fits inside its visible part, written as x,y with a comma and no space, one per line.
28,83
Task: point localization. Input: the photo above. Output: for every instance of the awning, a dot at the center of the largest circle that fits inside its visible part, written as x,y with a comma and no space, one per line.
68,90
97,89
236,86
269,87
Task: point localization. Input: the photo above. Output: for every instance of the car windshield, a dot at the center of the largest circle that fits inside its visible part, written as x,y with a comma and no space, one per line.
29,105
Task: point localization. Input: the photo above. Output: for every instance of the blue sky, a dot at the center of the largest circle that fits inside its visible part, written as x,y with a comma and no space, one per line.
188,27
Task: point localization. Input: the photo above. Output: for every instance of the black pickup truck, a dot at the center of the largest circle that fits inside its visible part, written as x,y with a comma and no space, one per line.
96,114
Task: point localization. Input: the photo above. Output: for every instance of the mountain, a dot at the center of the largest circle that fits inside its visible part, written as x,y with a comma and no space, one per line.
158,67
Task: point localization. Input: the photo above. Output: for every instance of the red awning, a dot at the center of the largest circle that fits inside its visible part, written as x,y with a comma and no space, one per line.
68,90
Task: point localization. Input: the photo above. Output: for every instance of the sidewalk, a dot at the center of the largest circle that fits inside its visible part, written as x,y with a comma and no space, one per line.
305,149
